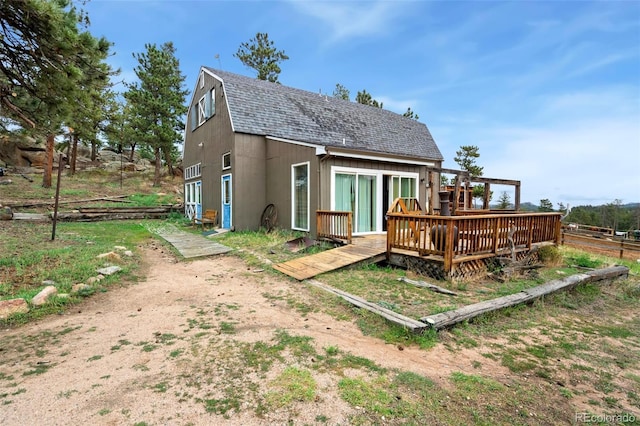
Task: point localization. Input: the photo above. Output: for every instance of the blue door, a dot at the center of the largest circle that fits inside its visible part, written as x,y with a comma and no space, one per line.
226,201
198,199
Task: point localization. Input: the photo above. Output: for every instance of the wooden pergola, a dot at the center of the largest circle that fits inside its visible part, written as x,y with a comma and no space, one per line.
462,177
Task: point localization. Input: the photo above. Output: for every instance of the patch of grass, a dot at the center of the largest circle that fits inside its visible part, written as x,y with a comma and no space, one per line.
94,358
27,259
160,387
292,385
227,327
370,396
104,411
38,369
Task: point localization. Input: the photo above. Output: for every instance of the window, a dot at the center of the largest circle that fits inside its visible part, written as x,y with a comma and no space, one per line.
206,107
226,161
201,110
300,196
192,171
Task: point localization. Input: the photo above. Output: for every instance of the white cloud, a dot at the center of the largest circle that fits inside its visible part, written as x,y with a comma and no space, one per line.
352,19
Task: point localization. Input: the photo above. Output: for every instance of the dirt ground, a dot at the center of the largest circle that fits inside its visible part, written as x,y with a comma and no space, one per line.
107,362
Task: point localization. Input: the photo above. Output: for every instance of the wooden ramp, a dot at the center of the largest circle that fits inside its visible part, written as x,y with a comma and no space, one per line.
371,249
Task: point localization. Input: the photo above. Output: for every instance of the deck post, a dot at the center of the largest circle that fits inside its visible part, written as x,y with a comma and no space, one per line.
448,246
496,235
558,230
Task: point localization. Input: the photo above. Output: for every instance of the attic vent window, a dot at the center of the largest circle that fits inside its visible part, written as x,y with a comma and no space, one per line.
226,161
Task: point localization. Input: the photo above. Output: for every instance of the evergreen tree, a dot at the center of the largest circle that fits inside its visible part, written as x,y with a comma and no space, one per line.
261,54
466,157
365,98
410,114
341,92
545,205
504,201
157,102
44,54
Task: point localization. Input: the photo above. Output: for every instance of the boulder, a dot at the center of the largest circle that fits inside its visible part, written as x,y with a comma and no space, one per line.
12,307
43,297
6,213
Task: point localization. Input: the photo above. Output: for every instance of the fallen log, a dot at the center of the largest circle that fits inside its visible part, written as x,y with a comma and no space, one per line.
394,317
95,217
114,199
428,286
123,210
449,318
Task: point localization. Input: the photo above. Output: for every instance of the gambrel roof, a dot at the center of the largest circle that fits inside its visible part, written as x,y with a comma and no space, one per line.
270,109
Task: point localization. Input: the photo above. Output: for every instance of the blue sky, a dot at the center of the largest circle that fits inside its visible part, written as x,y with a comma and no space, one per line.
548,90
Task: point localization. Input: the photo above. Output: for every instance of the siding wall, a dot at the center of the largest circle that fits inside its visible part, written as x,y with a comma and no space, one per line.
249,181
216,136
280,157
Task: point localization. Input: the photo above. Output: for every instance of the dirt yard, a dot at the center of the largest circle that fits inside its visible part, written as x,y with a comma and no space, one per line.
147,353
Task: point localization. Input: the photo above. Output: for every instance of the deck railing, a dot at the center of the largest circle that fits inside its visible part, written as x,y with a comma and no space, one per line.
462,238
334,225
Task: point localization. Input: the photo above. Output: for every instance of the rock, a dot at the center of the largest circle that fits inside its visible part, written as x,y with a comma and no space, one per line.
6,182
112,255
12,307
48,282
109,270
128,253
76,288
121,248
6,213
44,295
92,280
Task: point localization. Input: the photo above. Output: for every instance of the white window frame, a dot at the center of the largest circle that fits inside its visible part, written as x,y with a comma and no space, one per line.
293,197
192,172
380,174
201,111
226,155
202,79
212,105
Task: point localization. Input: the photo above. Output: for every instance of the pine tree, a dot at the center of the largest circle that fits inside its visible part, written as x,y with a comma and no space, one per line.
157,102
261,54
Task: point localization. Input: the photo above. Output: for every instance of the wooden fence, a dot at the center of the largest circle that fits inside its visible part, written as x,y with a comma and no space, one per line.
464,238
334,225
624,249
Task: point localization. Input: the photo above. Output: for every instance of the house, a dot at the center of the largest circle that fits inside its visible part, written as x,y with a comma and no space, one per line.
251,143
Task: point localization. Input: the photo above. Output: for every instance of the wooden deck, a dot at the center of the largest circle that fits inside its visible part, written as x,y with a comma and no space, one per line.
370,249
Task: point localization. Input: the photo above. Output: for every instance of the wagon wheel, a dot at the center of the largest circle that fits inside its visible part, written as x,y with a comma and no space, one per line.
269,217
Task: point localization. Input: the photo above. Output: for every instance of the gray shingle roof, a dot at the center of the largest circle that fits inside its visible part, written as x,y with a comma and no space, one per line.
269,109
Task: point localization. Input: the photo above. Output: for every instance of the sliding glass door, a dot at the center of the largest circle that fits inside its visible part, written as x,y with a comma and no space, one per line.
357,193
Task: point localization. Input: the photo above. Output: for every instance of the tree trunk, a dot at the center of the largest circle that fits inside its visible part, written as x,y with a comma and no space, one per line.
167,159
133,149
94,150
156,175
48,161
74,154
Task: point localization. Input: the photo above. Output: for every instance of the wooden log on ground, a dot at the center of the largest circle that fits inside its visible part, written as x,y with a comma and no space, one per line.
428,286
114,199
123,210
394,317
96,217
447,319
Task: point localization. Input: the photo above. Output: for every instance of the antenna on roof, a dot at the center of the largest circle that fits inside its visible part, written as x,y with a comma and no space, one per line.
217,56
